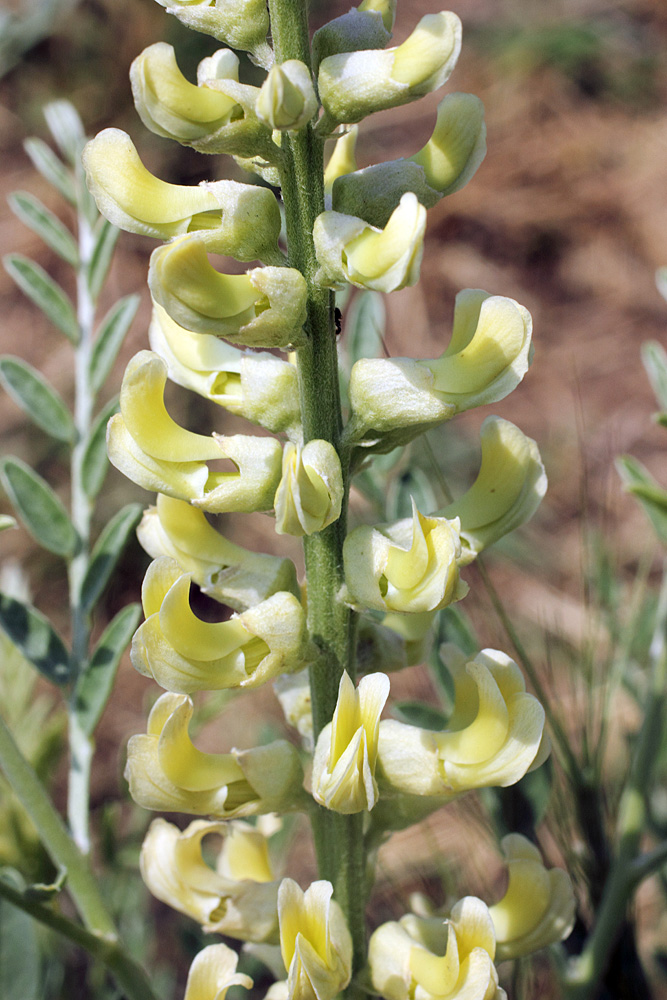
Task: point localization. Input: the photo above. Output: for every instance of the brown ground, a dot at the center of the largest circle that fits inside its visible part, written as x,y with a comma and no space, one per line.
568,214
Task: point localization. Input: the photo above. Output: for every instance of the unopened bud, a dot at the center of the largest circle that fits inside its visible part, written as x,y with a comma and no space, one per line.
286,100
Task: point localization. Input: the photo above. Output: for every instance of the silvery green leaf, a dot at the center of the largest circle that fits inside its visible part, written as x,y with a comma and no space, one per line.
96,682
40,510
36,639
638,481
48,226
46,294
36,397
106,553
51,168
661,281
95,463
105,243
66,128
110,335
20,959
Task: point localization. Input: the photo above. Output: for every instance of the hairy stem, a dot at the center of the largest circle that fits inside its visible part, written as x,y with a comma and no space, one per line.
338,839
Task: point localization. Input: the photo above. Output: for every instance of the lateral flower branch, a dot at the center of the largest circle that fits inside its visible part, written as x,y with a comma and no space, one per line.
392,579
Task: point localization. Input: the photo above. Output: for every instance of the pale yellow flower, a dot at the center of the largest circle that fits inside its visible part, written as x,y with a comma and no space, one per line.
346,752
384,260
355,84
265,307
494,736
342,160
213,972
539,906
418,958
237,897
314,940
508,489
252,384
151,449
168,773
227,572
409,566
185,654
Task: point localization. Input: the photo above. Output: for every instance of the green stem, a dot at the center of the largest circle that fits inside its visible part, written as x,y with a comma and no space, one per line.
583,977
61,848
129,976
338,839
81,746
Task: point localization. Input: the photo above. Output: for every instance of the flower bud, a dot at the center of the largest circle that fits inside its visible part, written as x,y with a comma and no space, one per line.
314,940
380,259
155,452
286,100
223,570
166,772
360,28
257,386
185,654
508,490
217,116
444,165
409,566
355,84
346,752
489,352
265,307
494,736
242,24
538,908
342,160
310,493
213,972
433,958
243,906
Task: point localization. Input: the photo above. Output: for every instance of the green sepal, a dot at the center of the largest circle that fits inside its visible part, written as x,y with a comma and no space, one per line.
109,339
48,226
44,292
51,168
106,553
96,682
36,639
100,261
37,397
40,510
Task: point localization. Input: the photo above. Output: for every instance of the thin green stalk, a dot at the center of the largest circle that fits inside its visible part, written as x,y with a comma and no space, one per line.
584,975
61,848
338,839
129,976
81,746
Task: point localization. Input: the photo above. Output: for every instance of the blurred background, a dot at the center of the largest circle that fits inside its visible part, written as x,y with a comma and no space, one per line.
567,214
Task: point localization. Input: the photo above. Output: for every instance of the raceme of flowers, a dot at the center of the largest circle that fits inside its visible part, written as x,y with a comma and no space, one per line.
216,333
